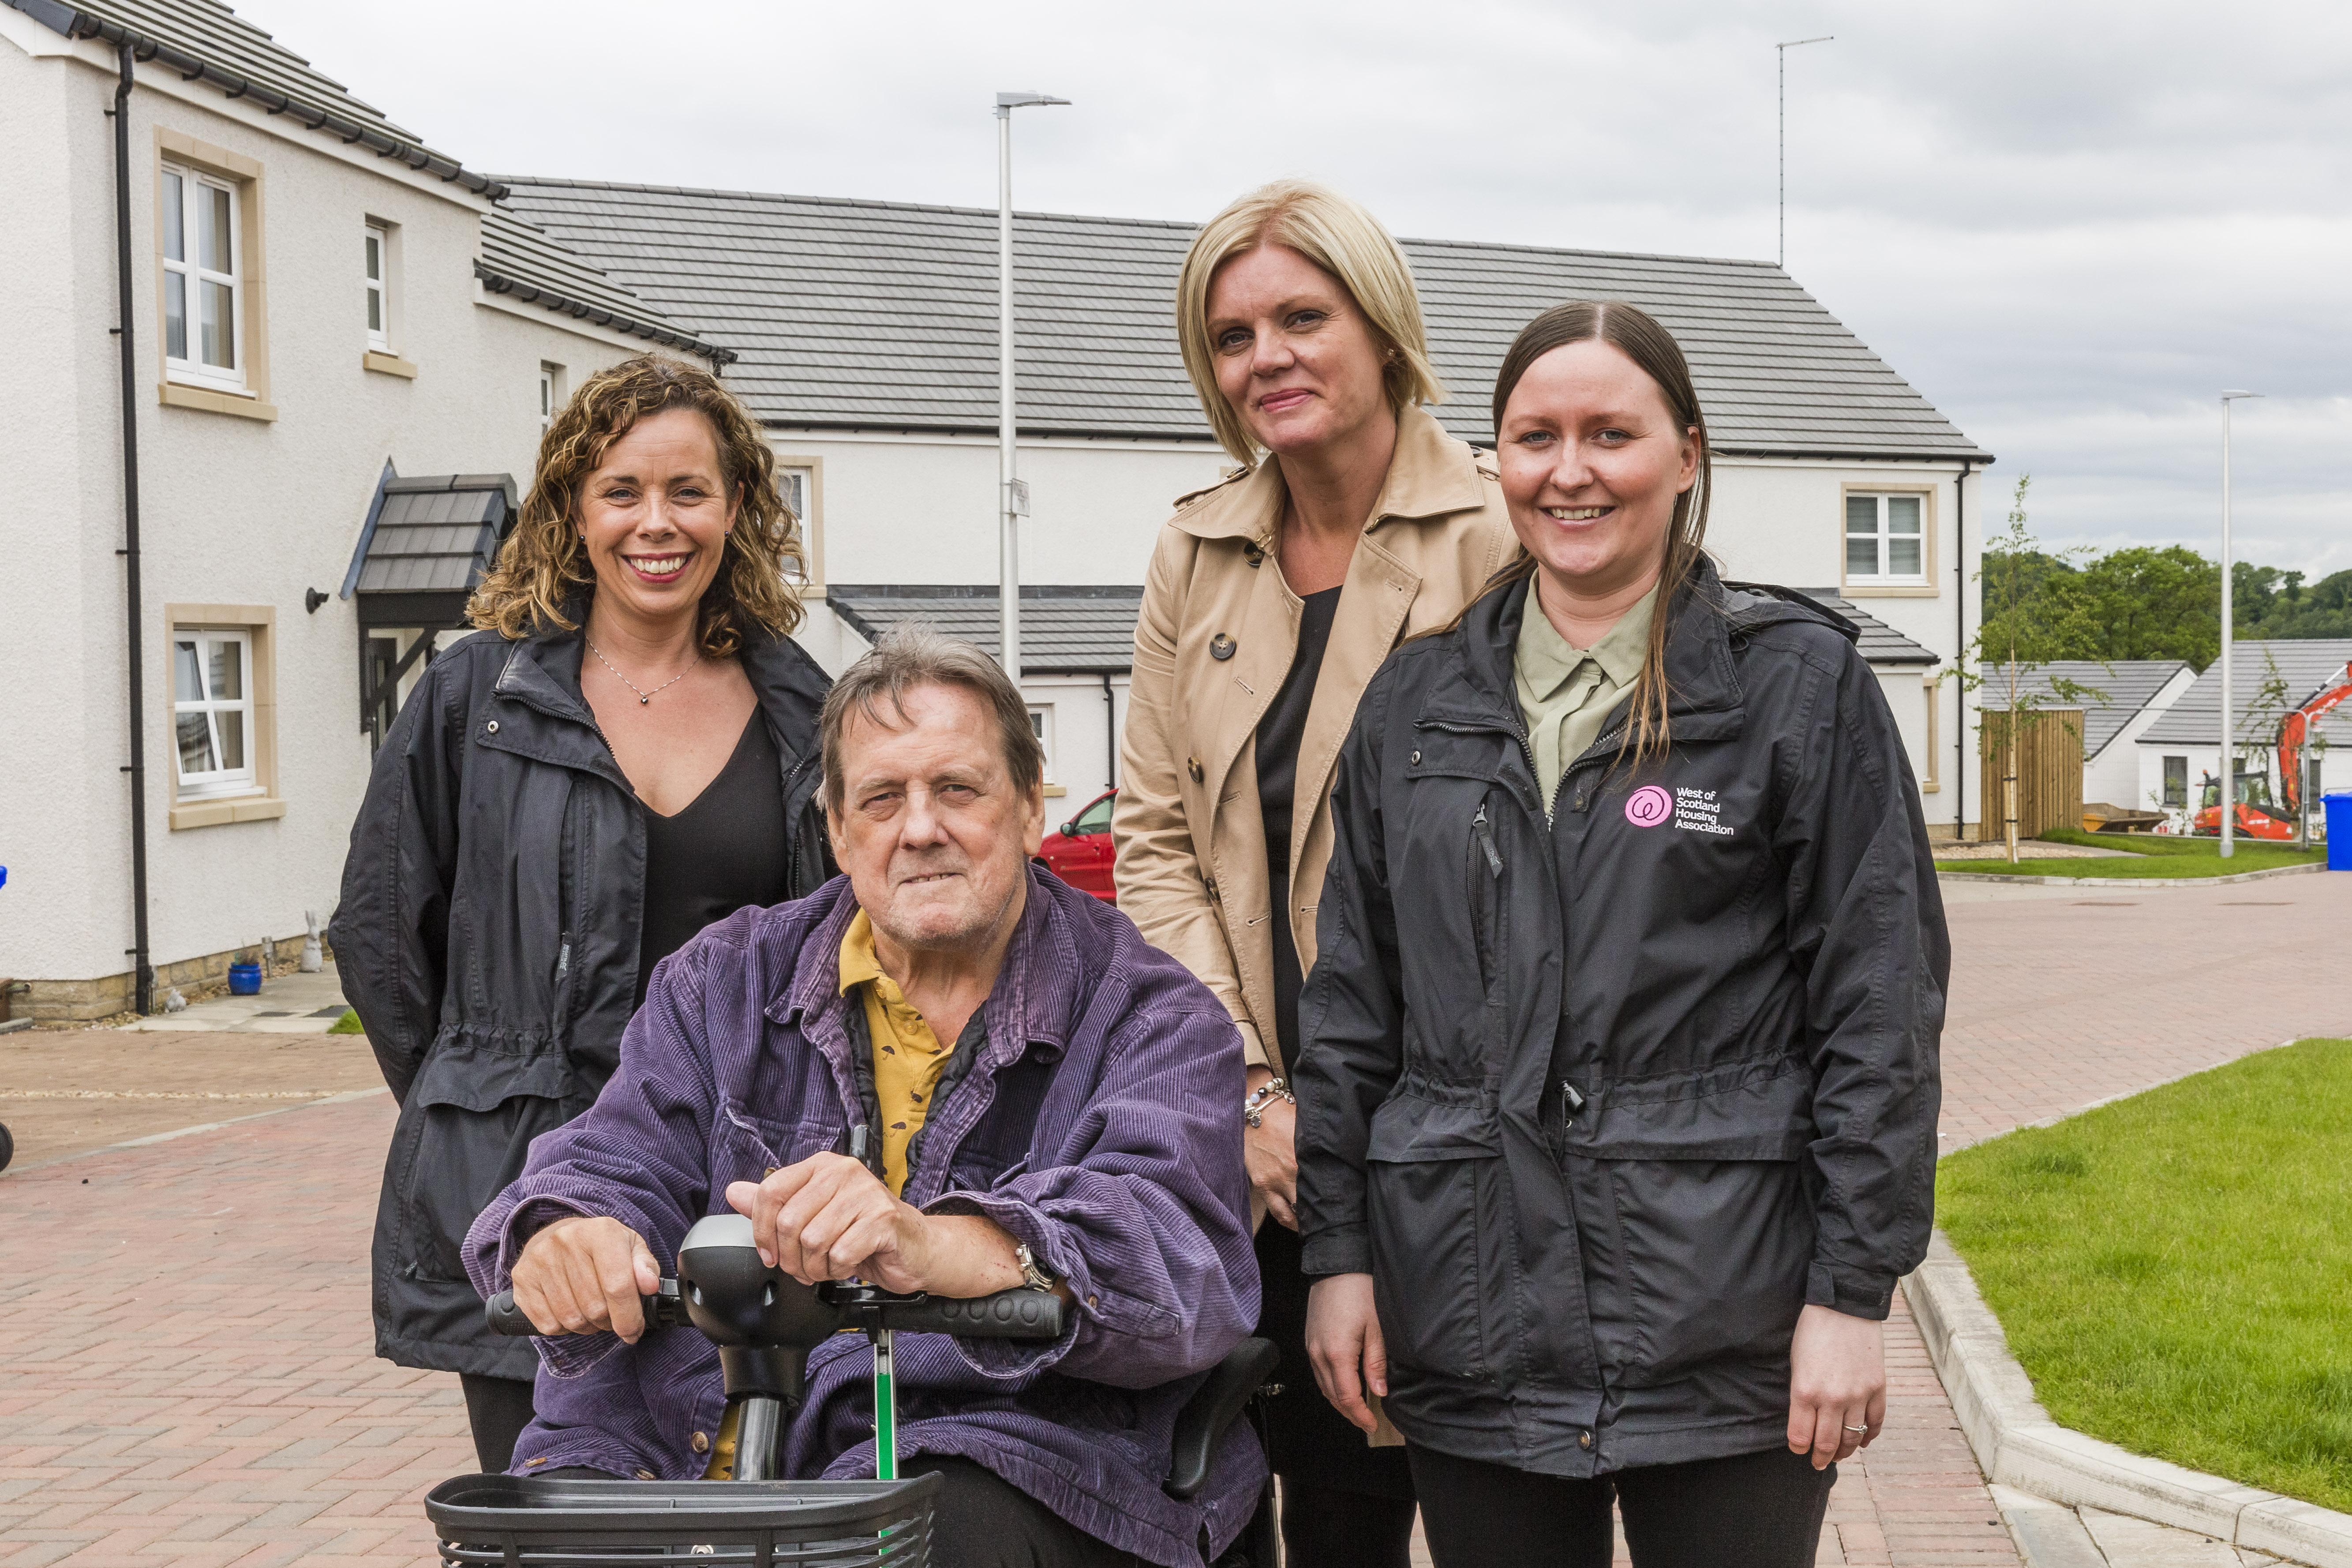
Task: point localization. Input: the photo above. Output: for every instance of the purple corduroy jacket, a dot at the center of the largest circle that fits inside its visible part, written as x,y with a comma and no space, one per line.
1097,1125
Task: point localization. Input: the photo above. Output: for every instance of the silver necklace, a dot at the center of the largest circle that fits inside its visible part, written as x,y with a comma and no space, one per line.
644,697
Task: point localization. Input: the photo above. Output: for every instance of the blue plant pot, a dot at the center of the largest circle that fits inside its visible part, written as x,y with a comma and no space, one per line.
245,980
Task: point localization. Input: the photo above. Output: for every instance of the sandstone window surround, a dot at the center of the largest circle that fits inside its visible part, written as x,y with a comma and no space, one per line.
212,332
222,678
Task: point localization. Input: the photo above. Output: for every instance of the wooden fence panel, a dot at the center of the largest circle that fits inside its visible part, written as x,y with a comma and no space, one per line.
2048,770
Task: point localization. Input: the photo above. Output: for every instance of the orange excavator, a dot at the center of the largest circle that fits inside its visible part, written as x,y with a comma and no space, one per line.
2257,818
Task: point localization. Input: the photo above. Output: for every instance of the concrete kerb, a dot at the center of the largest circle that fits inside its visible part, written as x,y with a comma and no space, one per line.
2017,1446
2132,882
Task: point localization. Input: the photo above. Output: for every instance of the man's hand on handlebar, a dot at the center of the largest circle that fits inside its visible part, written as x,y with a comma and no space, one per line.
580,1275
829,1217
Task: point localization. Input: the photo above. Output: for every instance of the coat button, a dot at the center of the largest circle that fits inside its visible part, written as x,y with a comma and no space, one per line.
1192,766
1416,759
491,728
700,1443
1222,647
1211,885
534,1464
645,1474
1584,1440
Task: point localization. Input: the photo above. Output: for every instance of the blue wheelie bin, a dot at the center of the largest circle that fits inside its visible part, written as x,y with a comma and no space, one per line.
2339,828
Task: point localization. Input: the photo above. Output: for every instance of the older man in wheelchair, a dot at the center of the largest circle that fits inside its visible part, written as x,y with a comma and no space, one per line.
948,1073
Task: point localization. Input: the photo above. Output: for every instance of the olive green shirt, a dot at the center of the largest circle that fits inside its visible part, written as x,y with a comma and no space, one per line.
1566,692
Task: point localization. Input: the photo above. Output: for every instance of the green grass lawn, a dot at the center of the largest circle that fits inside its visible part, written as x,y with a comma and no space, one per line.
349,1024
2175,1270
2152,856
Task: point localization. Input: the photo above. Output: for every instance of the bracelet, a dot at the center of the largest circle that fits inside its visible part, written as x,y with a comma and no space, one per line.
1265,1094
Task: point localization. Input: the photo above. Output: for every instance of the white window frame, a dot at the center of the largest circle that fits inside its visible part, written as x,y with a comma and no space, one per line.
548,399
378,286
1884,538
212,783
1040,721
187,267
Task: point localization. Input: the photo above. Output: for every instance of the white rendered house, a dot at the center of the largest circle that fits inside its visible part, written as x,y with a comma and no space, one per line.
314,295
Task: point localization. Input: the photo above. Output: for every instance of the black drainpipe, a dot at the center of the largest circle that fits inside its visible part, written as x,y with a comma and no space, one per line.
144,976
1960,641
1110,724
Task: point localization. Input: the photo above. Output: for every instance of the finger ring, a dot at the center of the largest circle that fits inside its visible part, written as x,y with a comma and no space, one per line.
1864,1429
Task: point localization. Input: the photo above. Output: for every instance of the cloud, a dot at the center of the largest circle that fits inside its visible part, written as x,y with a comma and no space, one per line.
2069,226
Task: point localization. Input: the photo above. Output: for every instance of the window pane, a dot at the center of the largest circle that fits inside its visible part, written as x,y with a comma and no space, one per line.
217,325
228,670
374,258
195,744
1903,557
375,310
175,315
175,220
187,681
231,725
1862,514
546,394
211,229
1861,557
1901,514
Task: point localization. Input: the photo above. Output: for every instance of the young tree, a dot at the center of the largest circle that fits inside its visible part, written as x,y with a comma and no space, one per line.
2024,624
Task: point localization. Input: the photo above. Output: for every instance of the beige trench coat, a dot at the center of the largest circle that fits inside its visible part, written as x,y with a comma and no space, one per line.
1192,869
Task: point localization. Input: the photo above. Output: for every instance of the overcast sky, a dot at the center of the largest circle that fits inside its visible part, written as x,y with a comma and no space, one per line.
2069,225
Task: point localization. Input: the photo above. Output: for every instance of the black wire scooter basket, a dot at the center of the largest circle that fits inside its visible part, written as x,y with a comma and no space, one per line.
526,1521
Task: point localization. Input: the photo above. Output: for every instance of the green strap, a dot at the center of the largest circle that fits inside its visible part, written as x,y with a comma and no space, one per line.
886,1409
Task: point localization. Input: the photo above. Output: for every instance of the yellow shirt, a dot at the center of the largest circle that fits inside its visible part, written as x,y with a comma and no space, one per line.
907,1056
1565,691
907,1061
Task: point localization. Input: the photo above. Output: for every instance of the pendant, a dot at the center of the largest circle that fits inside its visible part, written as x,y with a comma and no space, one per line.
645,701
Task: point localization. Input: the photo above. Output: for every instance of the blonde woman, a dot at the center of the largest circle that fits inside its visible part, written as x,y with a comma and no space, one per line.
1356,520
627,753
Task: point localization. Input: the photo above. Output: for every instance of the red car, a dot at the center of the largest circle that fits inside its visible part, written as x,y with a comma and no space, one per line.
1079,850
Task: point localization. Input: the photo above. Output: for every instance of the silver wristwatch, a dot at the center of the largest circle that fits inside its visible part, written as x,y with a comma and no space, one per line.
1034,1278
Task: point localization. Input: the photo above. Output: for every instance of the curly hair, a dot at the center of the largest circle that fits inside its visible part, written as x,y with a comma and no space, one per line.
543,579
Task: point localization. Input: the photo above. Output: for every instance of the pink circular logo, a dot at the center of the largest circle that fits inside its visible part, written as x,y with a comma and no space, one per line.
1649,807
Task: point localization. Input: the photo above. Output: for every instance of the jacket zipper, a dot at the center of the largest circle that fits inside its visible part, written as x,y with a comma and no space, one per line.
1486,840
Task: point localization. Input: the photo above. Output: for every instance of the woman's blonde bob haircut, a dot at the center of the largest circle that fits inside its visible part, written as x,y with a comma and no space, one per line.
1337,236
543,577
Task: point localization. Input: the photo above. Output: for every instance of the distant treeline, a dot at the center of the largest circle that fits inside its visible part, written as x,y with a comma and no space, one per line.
2148,604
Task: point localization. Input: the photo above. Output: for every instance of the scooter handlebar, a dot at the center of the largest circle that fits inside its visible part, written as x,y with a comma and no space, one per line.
1016,1314
505,1318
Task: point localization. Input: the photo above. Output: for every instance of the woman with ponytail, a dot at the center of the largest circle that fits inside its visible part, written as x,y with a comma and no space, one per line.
1617,1097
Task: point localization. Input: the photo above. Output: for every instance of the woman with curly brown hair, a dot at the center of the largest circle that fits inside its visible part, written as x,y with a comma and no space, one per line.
626,754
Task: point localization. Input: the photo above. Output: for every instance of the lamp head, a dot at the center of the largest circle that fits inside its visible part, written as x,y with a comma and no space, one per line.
2236,393
1006,102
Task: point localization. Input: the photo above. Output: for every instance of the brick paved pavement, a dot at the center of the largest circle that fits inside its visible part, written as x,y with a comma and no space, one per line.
159,1411
2060,1002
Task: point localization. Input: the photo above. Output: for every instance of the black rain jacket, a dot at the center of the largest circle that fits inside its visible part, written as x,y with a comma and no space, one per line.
1602,1102
488,937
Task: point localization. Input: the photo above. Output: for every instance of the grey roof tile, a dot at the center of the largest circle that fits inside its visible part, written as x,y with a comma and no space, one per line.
527,264
1881,644
2129,685
882,315
206,38
1081,630
2307,667
435,533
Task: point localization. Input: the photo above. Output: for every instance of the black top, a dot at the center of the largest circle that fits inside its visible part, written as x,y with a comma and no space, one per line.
1279,734
725,851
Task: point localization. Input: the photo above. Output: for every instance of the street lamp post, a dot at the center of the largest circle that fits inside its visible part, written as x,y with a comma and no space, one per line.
2229,805
1012,495
1782,52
